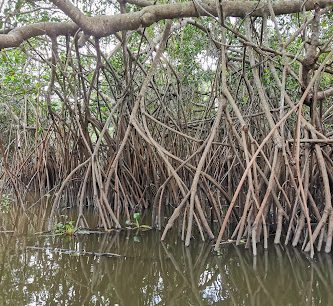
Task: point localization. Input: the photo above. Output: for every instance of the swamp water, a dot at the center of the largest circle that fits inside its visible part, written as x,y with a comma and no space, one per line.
62,270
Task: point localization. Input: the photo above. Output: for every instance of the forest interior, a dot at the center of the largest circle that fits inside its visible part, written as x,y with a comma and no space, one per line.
216,117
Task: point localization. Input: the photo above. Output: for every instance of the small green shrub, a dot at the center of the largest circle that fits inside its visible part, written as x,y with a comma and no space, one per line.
67,228
137,222
5,203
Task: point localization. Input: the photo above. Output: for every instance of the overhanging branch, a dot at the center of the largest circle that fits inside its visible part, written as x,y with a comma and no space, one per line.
17,36
102,26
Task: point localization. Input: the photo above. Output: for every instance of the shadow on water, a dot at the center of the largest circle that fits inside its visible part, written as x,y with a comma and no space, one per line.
34,272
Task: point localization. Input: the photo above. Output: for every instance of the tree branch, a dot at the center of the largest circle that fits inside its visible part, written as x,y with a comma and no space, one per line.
325,94
102,26
15,37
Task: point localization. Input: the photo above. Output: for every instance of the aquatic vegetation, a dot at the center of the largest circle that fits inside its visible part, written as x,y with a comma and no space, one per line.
67,228
136,224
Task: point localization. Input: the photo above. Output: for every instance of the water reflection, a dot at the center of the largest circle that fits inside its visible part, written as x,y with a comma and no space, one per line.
151,273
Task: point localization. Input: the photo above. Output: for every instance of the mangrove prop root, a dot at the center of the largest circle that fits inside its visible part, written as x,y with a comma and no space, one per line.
241,158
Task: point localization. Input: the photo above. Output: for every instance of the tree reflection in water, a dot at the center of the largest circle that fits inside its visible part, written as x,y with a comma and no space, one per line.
153,273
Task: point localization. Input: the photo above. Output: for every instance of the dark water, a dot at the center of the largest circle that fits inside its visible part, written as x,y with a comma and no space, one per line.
152,273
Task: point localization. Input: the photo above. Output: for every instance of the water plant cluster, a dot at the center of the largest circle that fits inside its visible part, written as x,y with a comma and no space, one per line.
67,228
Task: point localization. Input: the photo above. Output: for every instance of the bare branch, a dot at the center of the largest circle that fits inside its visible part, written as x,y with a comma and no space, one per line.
15,37
102,26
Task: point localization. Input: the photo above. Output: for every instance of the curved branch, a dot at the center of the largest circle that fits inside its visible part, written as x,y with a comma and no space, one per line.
106,25
17,36
102,26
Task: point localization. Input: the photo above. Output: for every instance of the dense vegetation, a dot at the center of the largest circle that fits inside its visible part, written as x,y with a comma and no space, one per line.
216,116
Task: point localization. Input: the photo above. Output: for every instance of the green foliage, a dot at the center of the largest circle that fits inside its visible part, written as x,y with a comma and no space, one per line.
136,224
184,49
5,203
67,228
